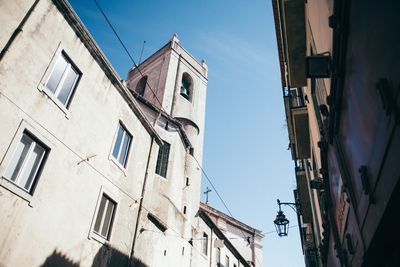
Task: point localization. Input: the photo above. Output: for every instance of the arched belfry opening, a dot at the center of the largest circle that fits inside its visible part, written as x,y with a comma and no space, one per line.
187,86
141,86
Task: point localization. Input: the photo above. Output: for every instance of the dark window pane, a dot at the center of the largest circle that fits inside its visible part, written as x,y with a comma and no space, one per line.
205,243
141,86
162,160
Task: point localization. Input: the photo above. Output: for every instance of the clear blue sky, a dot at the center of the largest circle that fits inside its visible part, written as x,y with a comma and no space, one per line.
245,150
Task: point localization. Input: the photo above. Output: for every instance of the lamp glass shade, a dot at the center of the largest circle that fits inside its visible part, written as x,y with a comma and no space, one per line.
281,224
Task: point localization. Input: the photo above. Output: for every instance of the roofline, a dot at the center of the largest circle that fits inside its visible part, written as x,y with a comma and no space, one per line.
203,214
84,35
232,221
171,119
276,6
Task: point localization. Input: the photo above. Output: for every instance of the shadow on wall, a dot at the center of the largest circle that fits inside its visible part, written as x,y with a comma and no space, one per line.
60,260
105,257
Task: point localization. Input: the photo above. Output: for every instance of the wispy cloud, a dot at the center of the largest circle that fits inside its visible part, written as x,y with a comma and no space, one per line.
226,46
237,51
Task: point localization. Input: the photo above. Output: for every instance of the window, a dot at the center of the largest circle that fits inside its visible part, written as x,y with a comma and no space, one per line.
226,261
141,86
186,86
63,79
121,145
105,217
26,163
218,257
204,244
162,160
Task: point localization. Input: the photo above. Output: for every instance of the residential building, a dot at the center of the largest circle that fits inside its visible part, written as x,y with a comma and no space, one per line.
340,88
237,236
75,147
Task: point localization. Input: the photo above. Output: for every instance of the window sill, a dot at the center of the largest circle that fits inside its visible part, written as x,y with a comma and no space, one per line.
186,97
161,177
93,235
16,190
122,168
51,96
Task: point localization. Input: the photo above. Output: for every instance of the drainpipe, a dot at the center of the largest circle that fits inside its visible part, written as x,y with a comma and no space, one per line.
140,204
17,31
253,249
211,245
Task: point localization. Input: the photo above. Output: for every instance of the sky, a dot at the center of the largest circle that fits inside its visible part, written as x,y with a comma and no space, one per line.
245,146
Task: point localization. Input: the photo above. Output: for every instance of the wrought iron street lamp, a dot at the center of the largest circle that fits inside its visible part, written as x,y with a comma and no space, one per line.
281,223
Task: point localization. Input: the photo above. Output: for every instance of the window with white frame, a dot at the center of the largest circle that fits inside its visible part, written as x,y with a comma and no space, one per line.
204,244
105,217
121,145
226,261
162,160
63,79
26,162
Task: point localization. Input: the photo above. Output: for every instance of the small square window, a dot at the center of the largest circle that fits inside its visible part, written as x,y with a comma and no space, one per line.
204,244
63,79
26,162
162,160
122,145
105,217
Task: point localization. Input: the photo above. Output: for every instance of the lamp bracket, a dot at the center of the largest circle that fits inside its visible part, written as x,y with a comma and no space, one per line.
295,206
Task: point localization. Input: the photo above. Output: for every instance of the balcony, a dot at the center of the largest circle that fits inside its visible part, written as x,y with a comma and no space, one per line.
298,125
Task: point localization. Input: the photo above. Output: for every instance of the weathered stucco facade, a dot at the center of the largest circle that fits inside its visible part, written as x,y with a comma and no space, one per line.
55,218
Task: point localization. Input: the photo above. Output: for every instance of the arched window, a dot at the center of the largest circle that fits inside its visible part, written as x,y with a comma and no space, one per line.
141,86
187,86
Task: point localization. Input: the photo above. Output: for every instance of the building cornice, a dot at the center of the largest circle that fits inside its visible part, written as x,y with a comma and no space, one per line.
230,220
276,6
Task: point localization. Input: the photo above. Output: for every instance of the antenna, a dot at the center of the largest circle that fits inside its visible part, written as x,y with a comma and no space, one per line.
141,53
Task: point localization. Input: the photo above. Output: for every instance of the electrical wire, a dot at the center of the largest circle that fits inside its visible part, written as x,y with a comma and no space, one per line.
127,52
